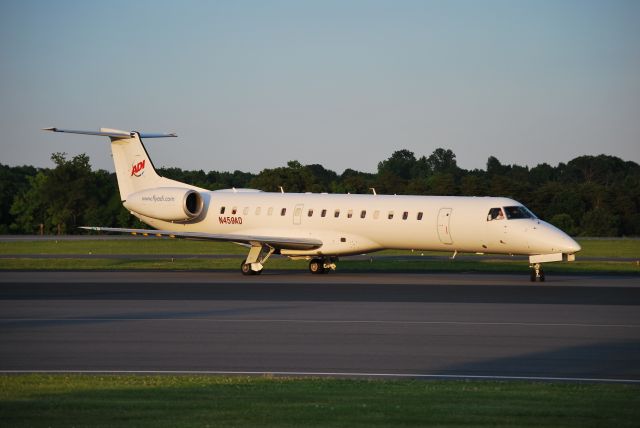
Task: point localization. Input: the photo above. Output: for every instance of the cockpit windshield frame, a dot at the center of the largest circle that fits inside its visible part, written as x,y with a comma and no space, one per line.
518,212
514,212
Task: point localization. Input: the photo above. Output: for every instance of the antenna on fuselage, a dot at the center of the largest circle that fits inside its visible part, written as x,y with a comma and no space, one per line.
373,189
281,189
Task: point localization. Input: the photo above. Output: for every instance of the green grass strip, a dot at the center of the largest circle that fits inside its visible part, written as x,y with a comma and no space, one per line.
223,401
628,248
140,245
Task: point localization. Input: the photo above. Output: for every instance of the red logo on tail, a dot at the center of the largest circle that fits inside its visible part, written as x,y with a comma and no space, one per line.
138,168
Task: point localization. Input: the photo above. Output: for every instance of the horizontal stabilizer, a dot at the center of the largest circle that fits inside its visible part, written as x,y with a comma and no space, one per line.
113,133
274,241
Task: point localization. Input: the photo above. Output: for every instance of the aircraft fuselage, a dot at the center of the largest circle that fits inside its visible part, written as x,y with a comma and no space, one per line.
354,224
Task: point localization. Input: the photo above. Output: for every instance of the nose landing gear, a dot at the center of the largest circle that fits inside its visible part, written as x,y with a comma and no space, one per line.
536,272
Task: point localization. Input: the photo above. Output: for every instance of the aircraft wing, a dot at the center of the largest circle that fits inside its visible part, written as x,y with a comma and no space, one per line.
274,241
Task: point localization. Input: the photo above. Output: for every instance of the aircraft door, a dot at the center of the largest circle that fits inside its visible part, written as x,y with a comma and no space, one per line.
444,225
297,214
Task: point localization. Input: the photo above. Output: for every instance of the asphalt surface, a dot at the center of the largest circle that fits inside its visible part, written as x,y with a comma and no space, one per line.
442,325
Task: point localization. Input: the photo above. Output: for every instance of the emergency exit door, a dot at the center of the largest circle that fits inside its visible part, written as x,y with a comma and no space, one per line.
444,225
297,214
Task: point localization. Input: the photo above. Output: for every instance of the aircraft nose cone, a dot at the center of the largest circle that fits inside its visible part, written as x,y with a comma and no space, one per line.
547,238
565,243
572,246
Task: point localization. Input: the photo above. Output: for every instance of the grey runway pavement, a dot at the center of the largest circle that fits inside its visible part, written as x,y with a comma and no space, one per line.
443,325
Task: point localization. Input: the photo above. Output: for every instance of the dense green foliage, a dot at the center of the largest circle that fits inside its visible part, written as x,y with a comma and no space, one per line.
223,401
588,196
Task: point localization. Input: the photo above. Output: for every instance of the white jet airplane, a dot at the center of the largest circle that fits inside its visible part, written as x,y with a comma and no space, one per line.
322,227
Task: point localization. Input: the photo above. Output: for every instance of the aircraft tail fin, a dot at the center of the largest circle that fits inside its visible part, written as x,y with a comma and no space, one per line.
134,168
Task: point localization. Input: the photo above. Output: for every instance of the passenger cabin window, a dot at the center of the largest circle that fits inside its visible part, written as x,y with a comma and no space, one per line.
234,210
270,211
258,209
222,210
419,217
246,211
518,212
390,215
336,214
376,214
495,214
283,211
405,215
310,212
349,213
363,214
323,213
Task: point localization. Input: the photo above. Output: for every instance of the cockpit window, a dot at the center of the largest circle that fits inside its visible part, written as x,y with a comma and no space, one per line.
518,212
495,214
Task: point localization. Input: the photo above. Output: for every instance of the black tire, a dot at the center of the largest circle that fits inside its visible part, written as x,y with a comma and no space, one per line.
245,268
541,276
533,275
316,266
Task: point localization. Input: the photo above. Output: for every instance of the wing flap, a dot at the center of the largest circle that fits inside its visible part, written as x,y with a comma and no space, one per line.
274,241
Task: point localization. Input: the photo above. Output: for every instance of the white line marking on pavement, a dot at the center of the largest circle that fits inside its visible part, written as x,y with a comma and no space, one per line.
308,321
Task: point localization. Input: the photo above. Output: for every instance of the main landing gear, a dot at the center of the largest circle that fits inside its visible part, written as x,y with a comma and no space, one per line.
320,266
259,254
257,257
536,272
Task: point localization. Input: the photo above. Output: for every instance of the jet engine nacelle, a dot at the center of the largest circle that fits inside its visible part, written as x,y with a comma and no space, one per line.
166,203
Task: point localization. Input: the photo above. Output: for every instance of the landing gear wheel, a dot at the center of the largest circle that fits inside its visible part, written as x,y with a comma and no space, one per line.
537,273
316,266
246,269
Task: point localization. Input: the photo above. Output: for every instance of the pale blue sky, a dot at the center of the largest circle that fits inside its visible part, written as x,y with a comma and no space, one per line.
252,84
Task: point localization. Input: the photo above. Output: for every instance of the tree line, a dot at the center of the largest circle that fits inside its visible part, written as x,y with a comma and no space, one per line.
587,196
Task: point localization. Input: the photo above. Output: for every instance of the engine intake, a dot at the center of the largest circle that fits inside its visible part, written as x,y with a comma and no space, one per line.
166,203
